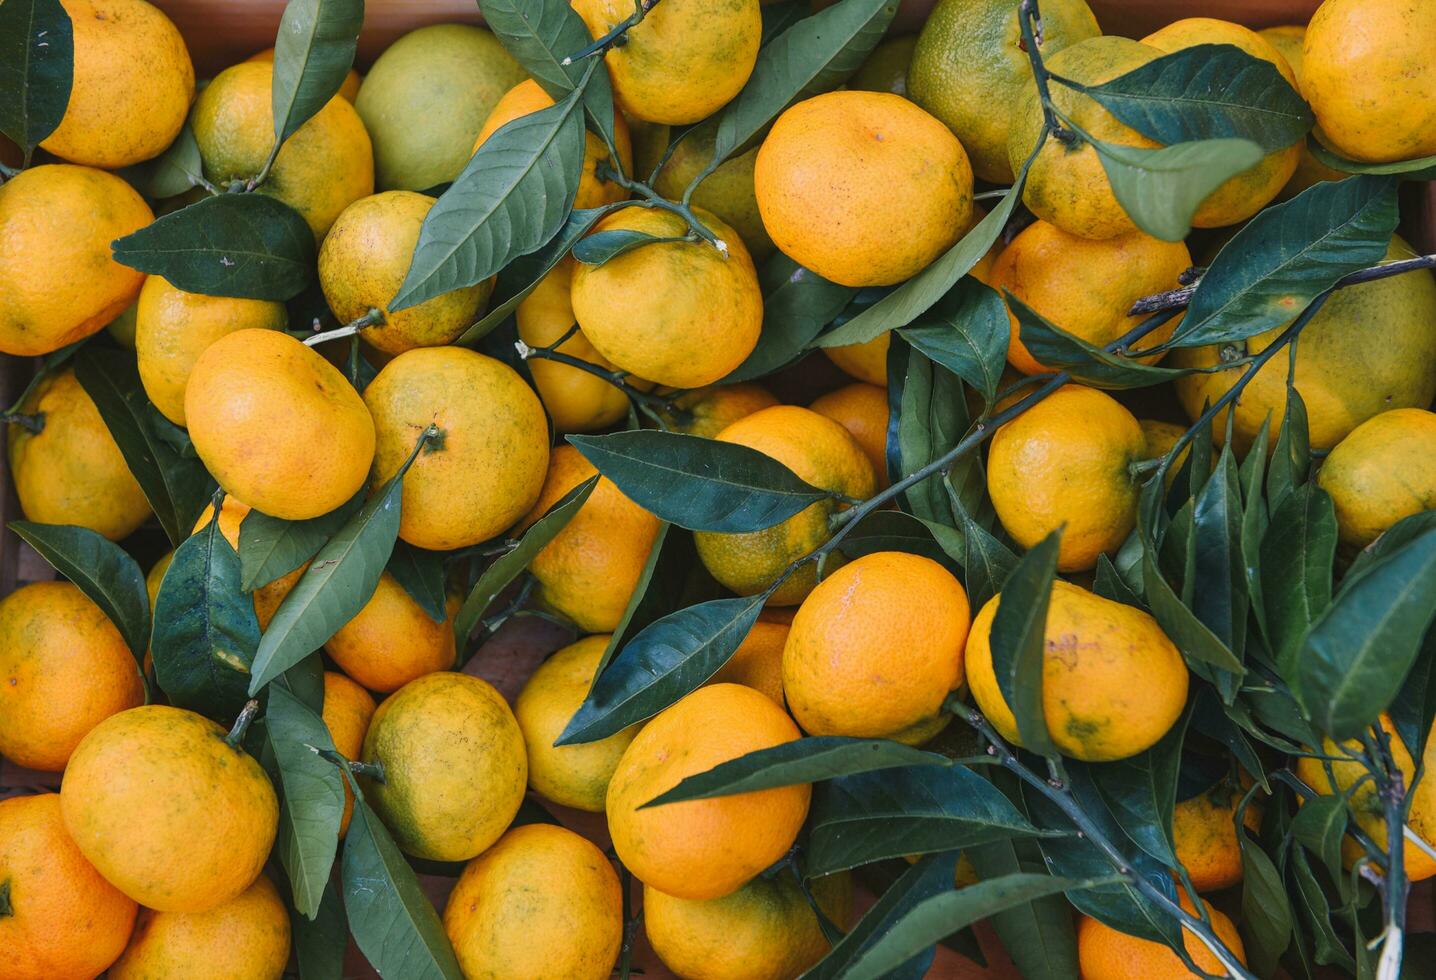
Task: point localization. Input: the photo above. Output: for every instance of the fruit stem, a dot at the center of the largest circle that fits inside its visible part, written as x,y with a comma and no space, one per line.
374,318
35,423
661,409
1029,20
617,36
369,770
241,724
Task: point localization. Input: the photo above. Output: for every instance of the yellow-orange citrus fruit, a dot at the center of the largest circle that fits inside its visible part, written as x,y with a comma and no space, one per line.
1112,683
588,572
1086,286
876,648
1066,463
58,280
542,902
703,848
347,711
758,661
569,775
764,931
1383,471
392,640
677,313
245,938
132,84
64,668
167,810
268,596
528,96
1288,40
727,192
63,920
1369,77
349,88
683,61
885,70
819,451
1161,437
864,188
277,425
577,400
327,163
489,465
122,327
454,766
173,327
863,410
72,471
1106,954
708,411
1204,830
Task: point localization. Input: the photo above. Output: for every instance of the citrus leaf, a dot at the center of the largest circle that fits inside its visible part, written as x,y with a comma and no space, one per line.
1397,535
1161,189
1286,256
806,760
912,810
816,54
312,804
1206,92
319,943
102,570
421,573
1058,349
1418,168
1266,909
392,921
511,198
599,248
509,565
1141,792
932,416
1318,825
1415,705
313,52
797,304
1221,601
1356,655
987,561
1039,935
205,630
1297,554
668,659
250,246
966,332
176,488
1291,457
37,52
699,483
1019,641
893,530
171,173
270,547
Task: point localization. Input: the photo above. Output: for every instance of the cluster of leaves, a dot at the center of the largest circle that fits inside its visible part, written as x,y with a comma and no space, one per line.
1236,560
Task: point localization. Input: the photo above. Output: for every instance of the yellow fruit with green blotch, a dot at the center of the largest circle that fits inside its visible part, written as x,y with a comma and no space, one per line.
277,425
1112,683
173,328
1383,471
363,262
727,192
58,281
489,465
683,61
72,471
392,640
454,766
542,903
321,169
676,313
569,775
167,810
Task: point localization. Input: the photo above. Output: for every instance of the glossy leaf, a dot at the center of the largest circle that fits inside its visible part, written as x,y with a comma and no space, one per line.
176,488
205,630
1414,708
102,570
1220,601
1291,456
1266,910
1289,253
1398,535
1141,792
892,530
1319,825
1191,636
1060,350
988,562
250,246
512,197
797,304
932,417
270,547
1161,189
511,564
1019,641
392,920
313,52
603,246
669,658
1356,655
805,760
37,50
1039,934
966,332
319,944
1255,521
1417,168
171,173
312,803
699,483
1297,554
421,573
1203,92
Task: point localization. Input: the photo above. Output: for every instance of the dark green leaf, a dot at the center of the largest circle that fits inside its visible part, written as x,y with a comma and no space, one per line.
1108,583
1161,189
892,530
1221,600
1255,521
313,798
510,564
421,573
250,246
1058,349
966,332
1019,641
915,810
1291,457
806,760
512,197
102,570
1266,910
988,562
1190,634
319,943
1141,792
1297,553
393,922
1318,825
1414,708
932,417
205,630
1356,655
1317,909
1419,168
313,52
669,658
600,247
1398,535
171,173
660,589
1039,935
1288,254
797,303
699,483
1206,92
270,547
37,50
176,488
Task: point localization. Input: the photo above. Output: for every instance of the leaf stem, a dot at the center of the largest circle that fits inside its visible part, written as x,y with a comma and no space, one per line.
246,716
617,36
369,770
374,318
653,199
1029,20
659,408
8,172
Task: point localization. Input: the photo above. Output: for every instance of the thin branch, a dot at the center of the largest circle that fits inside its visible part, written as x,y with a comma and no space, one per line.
617,36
